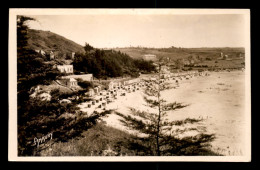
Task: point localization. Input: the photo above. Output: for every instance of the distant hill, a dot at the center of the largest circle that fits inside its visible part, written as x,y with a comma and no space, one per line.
205,56
181,53
46,41
101,63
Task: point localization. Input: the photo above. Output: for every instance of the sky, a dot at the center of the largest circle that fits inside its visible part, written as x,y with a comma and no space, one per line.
159,31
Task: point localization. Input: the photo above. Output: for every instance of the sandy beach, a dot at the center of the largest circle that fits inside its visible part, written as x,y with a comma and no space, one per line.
218,99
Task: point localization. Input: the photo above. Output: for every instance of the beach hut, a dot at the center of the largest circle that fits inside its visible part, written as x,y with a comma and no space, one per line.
109,101
99,88
96,90
97,100
111,85
103,92
90,93
104,104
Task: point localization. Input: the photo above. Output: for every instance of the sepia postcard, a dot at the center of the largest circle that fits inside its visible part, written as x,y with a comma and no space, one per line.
129,85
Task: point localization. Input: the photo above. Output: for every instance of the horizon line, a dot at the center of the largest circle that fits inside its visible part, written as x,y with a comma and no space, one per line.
138,46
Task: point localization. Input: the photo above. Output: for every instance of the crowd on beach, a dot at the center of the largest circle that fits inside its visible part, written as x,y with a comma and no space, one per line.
98,100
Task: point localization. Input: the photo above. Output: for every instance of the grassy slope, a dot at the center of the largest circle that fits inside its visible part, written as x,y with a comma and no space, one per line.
46,40
93,142
184,53
139,52
176,53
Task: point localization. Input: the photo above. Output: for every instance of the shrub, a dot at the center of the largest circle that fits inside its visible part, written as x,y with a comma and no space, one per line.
85,84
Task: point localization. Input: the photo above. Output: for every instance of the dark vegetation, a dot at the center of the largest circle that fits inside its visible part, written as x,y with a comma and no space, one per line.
65,121
170,145
85,84
36,118
109,63
102,140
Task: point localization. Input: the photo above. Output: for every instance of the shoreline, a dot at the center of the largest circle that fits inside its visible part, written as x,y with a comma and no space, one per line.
217,93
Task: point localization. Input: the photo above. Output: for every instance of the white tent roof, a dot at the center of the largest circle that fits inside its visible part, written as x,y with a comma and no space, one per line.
72,79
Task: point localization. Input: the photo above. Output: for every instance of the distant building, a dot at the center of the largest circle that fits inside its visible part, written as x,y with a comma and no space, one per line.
185,61
65,68
153,79
149,57
222,56
72,55
91,92
72,82
52,56
228,58
69,82
41,52
111,85
84,77
132,81
96,90
165,69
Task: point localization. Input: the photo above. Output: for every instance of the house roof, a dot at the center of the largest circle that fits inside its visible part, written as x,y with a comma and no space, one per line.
149,55
65,65
72,79
85,77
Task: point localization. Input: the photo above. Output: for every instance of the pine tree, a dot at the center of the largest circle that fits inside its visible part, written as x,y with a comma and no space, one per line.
161,138
22,34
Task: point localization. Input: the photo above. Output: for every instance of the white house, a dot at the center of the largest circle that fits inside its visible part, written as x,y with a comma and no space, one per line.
72,82
52,55
69,82
65,68
72,55
149,57
90,93
41,52
96,90
84,77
